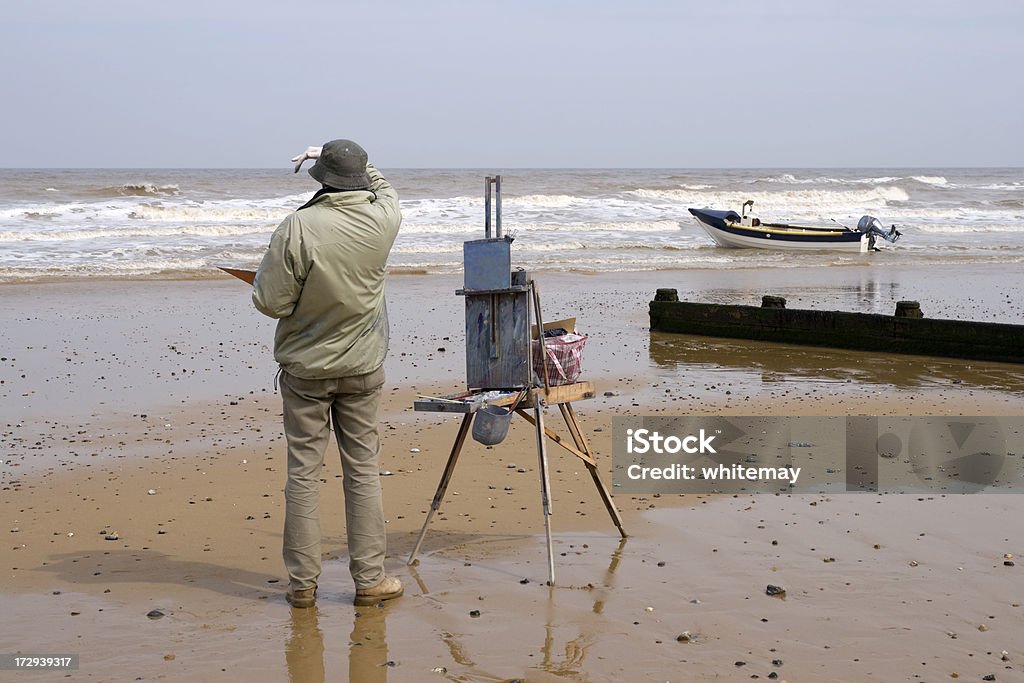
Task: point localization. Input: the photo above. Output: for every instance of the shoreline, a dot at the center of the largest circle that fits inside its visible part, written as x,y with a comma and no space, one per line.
856,262
167,386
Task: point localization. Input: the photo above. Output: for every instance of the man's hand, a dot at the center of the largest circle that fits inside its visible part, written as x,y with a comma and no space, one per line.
310,153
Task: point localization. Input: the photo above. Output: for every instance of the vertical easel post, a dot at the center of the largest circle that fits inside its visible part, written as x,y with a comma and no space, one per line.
494,180
487,206
545,484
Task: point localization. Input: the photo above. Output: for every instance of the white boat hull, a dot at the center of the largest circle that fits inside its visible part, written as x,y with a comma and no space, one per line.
766,239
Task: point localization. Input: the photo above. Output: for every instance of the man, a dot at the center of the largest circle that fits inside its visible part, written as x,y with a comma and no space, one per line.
323,279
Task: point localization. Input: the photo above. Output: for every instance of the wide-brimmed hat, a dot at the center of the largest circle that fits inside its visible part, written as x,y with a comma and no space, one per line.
341,165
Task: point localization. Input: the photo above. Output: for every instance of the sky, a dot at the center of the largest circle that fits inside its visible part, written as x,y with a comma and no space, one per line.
521,83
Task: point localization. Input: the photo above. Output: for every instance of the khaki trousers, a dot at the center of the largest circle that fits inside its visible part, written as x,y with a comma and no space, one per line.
310,408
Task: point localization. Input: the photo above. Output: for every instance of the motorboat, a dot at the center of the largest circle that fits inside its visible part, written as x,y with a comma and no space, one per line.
744,231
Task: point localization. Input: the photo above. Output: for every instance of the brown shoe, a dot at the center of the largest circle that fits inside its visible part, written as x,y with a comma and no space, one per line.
388,589
301,598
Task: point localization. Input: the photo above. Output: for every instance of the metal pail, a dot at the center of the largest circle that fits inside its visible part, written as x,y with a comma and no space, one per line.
491,424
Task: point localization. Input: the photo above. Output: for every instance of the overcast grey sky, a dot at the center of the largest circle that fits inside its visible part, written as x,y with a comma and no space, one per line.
522,83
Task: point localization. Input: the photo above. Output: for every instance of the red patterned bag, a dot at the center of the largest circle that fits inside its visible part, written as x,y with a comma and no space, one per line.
564,358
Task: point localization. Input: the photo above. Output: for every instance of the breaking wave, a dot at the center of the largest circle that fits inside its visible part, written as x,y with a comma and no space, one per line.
138,190
807,202
128,233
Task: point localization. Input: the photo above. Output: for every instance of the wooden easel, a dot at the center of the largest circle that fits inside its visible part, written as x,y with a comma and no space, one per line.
498,355
538,398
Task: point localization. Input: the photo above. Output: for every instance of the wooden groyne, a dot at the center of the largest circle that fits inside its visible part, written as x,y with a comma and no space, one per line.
908,331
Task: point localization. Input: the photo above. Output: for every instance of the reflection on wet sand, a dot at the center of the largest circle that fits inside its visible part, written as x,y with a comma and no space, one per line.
304,649
566,644
367,654
368,647
602,592
770,362
864,293
571,661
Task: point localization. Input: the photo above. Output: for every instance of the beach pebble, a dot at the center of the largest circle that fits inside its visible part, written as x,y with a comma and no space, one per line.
414,450
474,613
776,662
386,473
155,614
775,591
684,637
439,670
112,537
989,677
151,492
913,563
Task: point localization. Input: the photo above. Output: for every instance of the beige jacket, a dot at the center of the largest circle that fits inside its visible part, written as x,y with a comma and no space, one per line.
323,278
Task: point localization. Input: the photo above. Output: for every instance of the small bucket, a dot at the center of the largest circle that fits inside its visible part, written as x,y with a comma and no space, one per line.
491,424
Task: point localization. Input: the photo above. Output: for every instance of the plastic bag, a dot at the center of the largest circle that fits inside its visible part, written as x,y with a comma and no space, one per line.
564,359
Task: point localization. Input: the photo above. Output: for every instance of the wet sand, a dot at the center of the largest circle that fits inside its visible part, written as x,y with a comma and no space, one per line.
112,391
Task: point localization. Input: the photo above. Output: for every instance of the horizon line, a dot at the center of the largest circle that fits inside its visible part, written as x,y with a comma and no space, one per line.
511,168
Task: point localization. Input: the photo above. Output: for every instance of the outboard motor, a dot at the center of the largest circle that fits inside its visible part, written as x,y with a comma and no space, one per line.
874,228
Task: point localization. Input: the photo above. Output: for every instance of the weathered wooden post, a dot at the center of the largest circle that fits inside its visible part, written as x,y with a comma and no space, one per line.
908,309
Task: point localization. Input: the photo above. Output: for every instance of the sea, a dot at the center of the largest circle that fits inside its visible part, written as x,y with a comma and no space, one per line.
146,223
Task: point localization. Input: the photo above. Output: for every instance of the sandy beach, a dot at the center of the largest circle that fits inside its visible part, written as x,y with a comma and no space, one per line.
143,467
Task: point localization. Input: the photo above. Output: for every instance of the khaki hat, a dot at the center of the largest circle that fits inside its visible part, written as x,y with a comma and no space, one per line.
341,165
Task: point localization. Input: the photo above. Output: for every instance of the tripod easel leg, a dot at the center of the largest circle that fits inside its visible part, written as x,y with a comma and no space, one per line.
545,488
569,415
446,477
